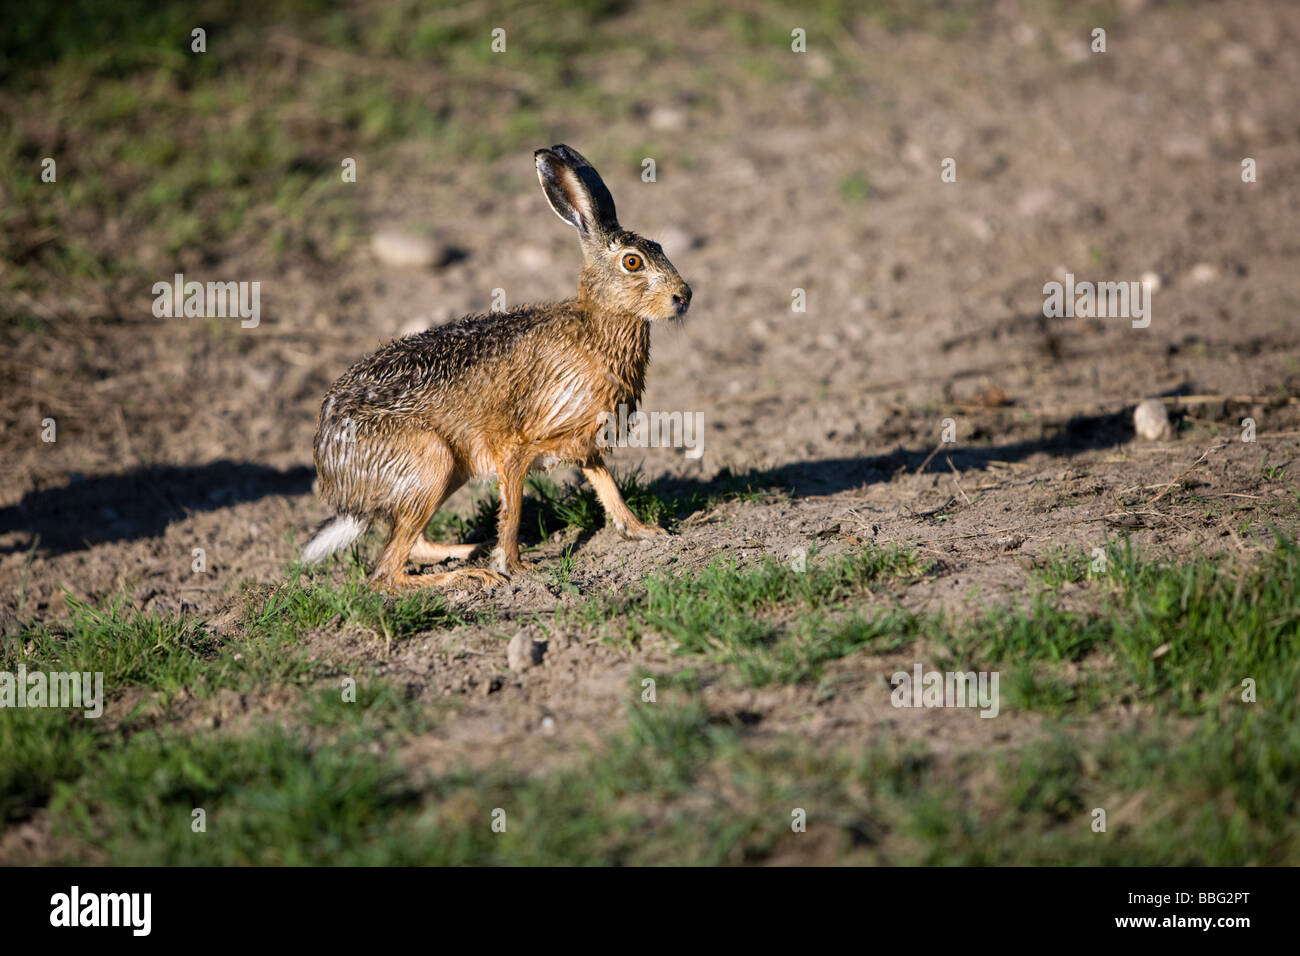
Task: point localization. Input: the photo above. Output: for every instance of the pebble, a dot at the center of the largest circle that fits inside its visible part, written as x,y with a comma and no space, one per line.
667,118
980,228
1010,542
1151,420
1236,54
533,258
405,251
523,652
1034,202
819,65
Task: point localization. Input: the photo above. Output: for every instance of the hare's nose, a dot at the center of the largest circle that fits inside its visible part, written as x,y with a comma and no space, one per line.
682,299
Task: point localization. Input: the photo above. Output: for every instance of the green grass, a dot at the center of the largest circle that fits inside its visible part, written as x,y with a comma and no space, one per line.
268,797
681,785
771,622
1206,779
175,659
175,654
37,749
130,647
312,600
1183,635
855,188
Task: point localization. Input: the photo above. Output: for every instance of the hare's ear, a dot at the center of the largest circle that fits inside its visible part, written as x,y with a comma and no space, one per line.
575,191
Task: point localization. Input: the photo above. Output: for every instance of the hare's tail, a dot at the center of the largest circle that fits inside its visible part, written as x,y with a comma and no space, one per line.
334,535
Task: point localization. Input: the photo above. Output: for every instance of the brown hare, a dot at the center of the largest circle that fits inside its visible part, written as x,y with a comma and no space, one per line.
496,395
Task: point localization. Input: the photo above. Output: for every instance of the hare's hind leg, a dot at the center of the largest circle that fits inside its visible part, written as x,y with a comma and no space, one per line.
431,476
628,524
430,552
390,573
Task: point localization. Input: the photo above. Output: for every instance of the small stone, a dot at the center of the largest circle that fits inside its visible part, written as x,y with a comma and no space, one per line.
1236,54
819,65
1151,420
1035,202
1202,273
667,118
523,652
1010,542
533,258
405,251
1152,281
980,228
1075,50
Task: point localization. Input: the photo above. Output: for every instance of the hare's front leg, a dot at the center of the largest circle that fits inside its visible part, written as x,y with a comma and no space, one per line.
628,524
511,473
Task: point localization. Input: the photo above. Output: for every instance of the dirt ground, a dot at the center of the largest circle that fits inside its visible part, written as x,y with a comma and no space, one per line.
924,303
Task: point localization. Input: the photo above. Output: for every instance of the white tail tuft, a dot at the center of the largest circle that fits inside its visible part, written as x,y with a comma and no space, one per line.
336,535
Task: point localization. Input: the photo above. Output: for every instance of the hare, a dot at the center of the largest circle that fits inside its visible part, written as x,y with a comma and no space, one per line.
496,395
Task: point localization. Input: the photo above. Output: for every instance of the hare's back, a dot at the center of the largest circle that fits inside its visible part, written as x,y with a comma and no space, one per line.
401,375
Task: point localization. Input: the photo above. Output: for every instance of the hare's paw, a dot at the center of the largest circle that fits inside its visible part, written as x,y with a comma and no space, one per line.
399,583
636,531
482,576
402,583
506,566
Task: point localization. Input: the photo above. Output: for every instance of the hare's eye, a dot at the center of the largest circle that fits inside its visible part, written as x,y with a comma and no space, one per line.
632,262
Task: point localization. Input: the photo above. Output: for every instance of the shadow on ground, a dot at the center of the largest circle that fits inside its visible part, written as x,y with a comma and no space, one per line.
828,476
141,503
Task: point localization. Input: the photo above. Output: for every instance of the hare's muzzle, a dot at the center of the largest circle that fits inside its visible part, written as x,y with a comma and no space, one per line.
682,299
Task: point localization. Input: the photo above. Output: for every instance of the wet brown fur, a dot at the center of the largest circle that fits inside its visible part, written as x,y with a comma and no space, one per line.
500,393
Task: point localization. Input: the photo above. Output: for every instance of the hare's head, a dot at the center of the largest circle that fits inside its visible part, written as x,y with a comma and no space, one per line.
621,271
